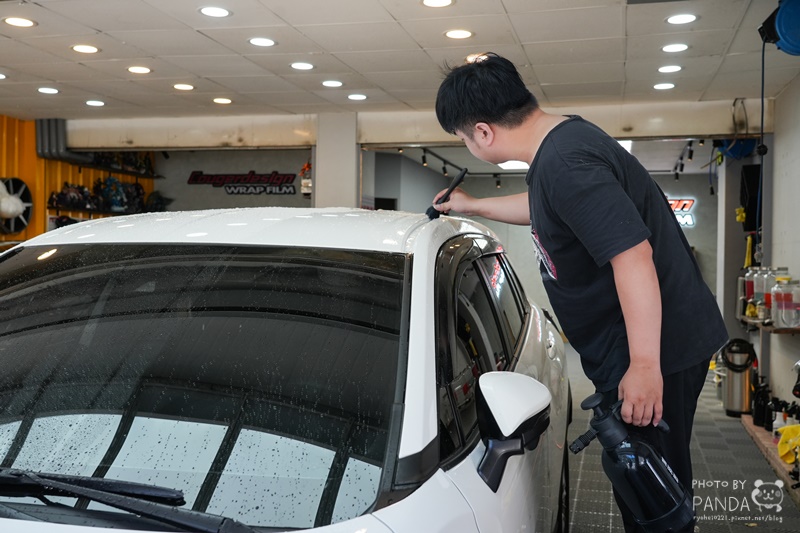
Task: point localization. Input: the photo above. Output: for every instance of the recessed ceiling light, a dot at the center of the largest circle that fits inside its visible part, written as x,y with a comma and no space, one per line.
95,103
183,86
332,83
2,76
663,86
669,68
459,34
216,12
85,49
48,90
20,22
436,3
675,48
302,66
222,100
357,97
681,19
262,41
139,70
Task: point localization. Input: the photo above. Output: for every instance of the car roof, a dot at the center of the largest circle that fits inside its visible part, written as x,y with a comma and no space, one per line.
342,228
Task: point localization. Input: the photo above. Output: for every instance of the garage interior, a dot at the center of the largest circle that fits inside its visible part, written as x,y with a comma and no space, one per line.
334,100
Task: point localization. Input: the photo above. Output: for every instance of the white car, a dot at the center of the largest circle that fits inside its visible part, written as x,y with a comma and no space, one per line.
276,369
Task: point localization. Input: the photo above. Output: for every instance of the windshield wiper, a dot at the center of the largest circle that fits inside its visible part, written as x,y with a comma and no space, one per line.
136,498
15,482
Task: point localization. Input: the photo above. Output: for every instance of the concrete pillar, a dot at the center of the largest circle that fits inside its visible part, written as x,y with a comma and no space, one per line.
336,168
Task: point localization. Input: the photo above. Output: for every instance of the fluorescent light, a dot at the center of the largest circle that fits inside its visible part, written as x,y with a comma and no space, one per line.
85,49
262,41
675,48
139,70
681,19
19,22
95,103
332,83
357,97
669,68
302,66
216,12
223,101
514,165
663,86
459,34
436,3
183,86
48,90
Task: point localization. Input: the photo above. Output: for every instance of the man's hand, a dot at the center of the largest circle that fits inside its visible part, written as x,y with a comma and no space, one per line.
459,201
641,391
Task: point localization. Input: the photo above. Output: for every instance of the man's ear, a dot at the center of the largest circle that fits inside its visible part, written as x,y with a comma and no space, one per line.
484,134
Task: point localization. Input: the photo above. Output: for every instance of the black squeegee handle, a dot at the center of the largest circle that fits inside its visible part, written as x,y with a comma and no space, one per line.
432,212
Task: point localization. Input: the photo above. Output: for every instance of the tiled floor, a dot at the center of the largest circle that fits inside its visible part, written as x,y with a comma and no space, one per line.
726,462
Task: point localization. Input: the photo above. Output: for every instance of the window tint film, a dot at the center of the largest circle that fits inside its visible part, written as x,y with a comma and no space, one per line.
501,287
259,381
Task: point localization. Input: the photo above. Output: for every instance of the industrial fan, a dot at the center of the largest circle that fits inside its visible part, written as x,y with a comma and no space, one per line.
17,203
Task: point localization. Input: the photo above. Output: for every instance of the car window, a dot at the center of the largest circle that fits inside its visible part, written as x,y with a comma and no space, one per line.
501,285
259,381
476,319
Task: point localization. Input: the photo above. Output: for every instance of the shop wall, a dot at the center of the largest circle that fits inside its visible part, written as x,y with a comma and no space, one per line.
408,182
178,167
784,238
42,177
699,221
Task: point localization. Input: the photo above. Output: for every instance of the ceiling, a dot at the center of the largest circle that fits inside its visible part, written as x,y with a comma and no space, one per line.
570,53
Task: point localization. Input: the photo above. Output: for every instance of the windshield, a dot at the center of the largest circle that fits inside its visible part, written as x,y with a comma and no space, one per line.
259,381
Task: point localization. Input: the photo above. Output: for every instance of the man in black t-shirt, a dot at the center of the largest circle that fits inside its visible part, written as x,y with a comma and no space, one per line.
616,266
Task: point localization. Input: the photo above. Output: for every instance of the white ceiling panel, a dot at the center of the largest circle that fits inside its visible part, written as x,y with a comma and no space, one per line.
359,37
245,13
568,90
171,42
649,19
115,15
378,61
487,30
216,66
285,37
414,10
255,84
570,25
569,52
581,73
323,12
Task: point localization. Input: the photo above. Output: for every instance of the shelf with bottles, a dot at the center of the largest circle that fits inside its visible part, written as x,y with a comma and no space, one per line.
139,164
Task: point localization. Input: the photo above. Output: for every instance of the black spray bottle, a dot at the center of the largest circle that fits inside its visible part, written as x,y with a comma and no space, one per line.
639,474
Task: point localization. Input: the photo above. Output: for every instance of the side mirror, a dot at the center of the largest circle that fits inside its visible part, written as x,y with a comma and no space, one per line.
513,412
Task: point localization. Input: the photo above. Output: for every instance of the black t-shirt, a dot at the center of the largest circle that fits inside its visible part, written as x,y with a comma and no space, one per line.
591,200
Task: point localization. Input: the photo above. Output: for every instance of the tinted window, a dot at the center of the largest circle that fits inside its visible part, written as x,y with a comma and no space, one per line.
258,381
502,287
477,320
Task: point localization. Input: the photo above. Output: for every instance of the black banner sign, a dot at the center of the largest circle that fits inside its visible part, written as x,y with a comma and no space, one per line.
250,183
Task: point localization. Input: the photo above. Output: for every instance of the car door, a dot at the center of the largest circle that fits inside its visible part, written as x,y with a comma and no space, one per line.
484,324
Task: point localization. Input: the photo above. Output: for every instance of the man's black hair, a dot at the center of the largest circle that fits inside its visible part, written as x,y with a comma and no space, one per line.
489,89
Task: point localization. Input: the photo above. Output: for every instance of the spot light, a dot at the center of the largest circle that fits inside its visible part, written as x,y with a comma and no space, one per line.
424,160
444,170
690,152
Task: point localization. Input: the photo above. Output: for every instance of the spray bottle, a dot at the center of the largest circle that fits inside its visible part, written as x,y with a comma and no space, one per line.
639,474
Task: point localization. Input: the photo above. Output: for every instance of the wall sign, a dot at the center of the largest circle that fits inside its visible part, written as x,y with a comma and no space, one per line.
250,183
682,208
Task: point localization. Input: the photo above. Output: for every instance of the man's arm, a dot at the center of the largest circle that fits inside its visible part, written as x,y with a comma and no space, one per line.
641,388
511,209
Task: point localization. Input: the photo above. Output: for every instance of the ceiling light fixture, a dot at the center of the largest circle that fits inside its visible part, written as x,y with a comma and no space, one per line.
671,48
262,41
20,22
690,152
332,83
302,66
681,19
436,3
663,86
183,86
48,90
444,170
459,34
670,68
223,101
424,159
95,103
139,70
357,96
2,76
216,12
85,49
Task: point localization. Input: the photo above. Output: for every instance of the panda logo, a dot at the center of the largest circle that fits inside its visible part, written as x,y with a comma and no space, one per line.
768,495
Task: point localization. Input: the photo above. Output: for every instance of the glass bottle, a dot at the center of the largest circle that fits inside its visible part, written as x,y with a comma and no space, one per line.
748,282
770,277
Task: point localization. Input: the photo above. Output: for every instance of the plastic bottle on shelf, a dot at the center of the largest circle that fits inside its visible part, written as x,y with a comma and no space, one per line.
748,282
786,308
759,288
770,276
